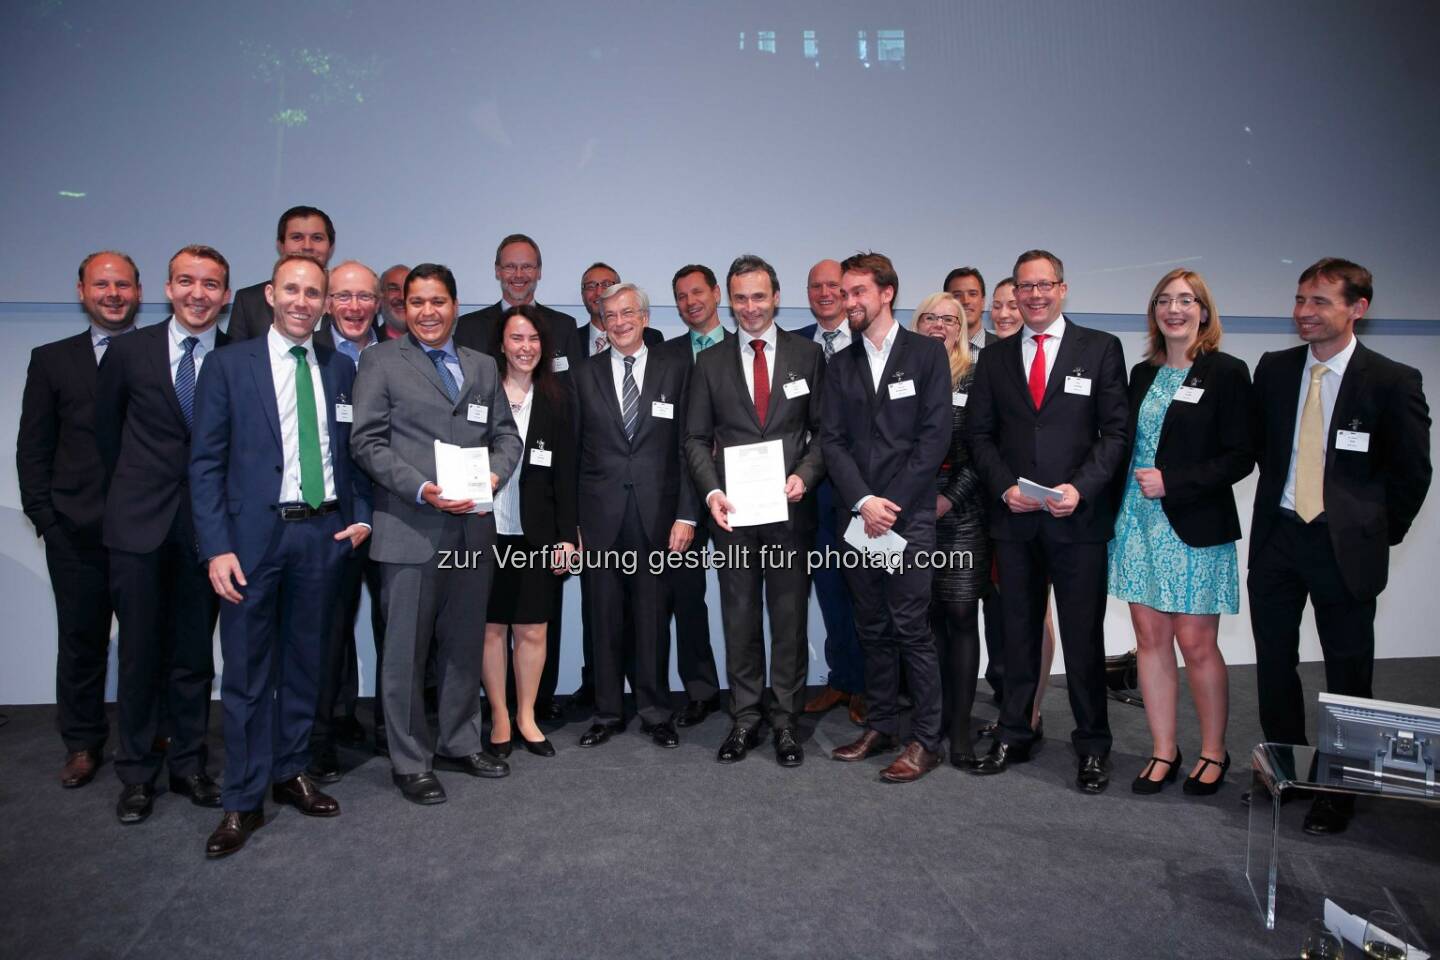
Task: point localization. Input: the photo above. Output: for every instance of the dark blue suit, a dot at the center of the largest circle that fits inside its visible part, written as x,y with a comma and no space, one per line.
272,640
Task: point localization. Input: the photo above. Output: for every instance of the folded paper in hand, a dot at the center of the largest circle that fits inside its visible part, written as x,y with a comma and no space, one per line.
463,473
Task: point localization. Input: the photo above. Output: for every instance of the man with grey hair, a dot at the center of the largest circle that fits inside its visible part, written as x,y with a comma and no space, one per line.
636,502
392,301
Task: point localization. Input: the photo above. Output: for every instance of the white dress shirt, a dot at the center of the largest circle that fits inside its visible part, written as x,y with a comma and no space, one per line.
1053,333
878,356
282,369
842,338
97,335
178,333
747,357
507,501
593,333
1329,391
617,369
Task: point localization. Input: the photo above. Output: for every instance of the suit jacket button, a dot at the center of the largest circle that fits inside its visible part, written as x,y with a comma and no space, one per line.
278,470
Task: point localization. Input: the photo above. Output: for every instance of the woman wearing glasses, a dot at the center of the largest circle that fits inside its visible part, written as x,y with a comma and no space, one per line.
1173,556
960,535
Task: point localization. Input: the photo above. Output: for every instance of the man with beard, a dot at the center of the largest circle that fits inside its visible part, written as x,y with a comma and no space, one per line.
392,301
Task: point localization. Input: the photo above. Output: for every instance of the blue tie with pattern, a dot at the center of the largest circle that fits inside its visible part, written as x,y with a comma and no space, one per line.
447,380
185,380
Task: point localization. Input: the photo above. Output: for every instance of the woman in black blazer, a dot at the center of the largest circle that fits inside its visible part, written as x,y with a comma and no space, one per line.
1173,556
534,520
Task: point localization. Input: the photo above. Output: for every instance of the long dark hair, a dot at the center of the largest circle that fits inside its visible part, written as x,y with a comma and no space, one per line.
547,382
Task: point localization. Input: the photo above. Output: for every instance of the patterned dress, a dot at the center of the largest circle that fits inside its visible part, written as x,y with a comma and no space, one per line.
1149,564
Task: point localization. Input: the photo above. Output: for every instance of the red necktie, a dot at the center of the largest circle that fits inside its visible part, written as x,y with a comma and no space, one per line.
1037,370
762,380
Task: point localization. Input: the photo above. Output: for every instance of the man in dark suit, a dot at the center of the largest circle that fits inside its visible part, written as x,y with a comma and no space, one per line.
1343,439
846,683
306,230
62,492
761,386
1050,405
435,553
278,508
885,429
144,409
636,502
518,267
350,327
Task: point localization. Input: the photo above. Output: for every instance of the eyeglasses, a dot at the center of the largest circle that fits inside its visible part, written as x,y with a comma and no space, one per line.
510,269
1184,302
629,313
949,319
344,298
590,286
1043,286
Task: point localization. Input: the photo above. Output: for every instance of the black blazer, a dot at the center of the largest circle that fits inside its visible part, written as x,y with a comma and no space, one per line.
547,493
56,460
143,440
1370,498
250,315
477,328
1071,438
1204,447
891,448
653,467
721,414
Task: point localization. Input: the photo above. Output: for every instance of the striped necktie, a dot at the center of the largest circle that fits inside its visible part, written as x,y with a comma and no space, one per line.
447,379
185,380
630,400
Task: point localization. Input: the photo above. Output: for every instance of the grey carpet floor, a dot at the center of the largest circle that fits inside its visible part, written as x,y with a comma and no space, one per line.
630,851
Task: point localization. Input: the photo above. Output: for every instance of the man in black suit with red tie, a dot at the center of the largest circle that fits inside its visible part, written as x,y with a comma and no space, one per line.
636,501
1050,405
885,429
62,492
518,267
302,229
145,407
761,386
1343,439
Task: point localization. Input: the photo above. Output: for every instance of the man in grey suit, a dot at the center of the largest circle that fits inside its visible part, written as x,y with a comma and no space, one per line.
435,554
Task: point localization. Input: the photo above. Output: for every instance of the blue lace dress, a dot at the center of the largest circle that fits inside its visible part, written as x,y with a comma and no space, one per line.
1149,564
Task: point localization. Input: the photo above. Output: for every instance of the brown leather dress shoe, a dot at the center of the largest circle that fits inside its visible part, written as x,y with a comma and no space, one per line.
302,794
912,764
870,743
827,699
857,709
80,768
235,828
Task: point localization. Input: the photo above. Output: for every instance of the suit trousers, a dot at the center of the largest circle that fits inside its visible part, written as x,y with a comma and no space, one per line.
444,599
166,609
80,577
339,671
648,597
892,619
274,643
1298,561
694,655
773,566
992,613
1078,571
842,644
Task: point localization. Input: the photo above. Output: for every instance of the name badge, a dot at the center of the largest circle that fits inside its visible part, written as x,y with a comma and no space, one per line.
796,388
1352,440
665,411
1189,394
1078,385
540,458
477,413
904,388
958,399
560,364
344,413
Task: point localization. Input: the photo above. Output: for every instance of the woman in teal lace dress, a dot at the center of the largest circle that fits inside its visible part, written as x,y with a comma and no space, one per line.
1173,557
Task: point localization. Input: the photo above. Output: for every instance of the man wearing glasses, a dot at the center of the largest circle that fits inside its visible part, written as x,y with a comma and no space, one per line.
517,267
596,279
1050,405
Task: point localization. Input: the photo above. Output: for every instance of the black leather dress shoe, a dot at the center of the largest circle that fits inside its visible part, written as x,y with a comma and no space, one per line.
137,801
788,752
549,712
540,748
740,742
300,793
476,764
1093,774
663,733
200,787
600,733
422,788
696,711
324,765
964,759
235,828
998,758
1328,815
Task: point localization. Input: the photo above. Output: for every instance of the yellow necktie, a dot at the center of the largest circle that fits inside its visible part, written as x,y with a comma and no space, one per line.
1310,469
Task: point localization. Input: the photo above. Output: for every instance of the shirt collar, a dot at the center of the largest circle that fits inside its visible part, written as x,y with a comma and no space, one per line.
617,357
178,333
1337,363
885,345
769,336
716,334
281,345
97,334
1055,331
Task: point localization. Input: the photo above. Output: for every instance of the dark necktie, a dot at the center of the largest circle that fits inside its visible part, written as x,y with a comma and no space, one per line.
629,399
762,380
830,336
1037,370
185,380
447,380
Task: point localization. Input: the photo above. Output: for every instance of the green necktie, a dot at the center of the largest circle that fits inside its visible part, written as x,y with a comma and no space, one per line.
703,341
312,470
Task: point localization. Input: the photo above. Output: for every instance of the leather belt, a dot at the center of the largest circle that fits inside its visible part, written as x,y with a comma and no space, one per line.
303,511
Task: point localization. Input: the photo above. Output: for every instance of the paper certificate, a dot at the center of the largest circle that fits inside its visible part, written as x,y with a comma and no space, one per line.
755,483
463,473
889,544
1037,491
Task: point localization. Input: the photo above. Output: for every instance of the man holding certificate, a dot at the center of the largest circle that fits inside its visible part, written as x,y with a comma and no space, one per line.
432,426
752,439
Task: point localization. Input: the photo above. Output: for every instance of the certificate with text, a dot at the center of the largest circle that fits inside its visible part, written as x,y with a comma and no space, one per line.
463,473
755,483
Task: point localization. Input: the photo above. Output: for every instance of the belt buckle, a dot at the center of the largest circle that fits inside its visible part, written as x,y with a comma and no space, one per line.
293,511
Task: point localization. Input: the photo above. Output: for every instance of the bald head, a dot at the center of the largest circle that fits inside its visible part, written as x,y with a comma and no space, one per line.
822,286
392,298
354,300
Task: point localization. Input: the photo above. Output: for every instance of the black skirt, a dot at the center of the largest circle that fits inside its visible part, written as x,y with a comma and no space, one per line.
528,593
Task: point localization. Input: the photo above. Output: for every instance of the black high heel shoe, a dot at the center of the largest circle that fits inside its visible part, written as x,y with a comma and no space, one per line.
541,748
500,749
1144,785
1196,787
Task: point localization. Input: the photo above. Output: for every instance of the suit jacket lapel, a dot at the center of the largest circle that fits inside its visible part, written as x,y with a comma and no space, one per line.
1198,369
83,357
265,384
1064,357
650,392
1289,383
605,383
777,382
420,360
161,355
893,366
1344,402
737,377
470,370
